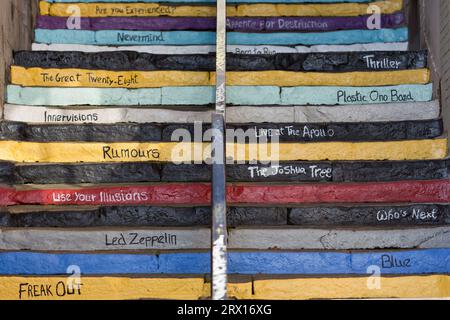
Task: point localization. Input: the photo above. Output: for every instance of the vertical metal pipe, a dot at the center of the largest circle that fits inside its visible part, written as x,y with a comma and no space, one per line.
219,220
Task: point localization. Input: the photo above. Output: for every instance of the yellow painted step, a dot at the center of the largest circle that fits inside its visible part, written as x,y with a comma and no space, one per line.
195,287
249,10
39,77
284,288
67,152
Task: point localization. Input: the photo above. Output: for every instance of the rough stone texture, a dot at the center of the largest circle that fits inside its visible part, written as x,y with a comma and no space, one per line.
394,215
136,216
128,10
104,240
138,38
16,24
377,112
354,95
311,79
197,152
137,79
56,115
213,1
255,10
198,194
387,170
240,114
83,96
271,263
268,24
263,49
349,171
86,132
105,288
239,238
175,194
130,60
298,132
338,239
81,173
185,173
337,151
110,152
311,171
435,191
404,287
336,9
205,95
259,288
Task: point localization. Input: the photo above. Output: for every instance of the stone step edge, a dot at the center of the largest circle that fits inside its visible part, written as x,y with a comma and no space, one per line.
126,60
246,238
205,49
323,263
301,132
338,216
258,288
238,114
431,191
288,172
332,9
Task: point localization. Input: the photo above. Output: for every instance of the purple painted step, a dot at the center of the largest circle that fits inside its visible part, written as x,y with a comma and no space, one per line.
269,24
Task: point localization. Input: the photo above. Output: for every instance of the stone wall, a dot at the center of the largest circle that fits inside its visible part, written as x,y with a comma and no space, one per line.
444,57
16,32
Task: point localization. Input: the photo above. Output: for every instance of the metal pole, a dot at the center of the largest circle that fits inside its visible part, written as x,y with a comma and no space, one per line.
219,277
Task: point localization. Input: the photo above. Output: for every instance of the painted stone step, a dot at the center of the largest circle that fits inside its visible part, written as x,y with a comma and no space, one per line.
242,114
293,132
99,133
199,194
136,216
116,288
208,1
139,38
259,24
402,262
280,238
436,286
135,172
435,191
190,288
256,10
128,60
236,95
350,171
261,49
297,132
39,77
149,216
395,215
195,152
84,173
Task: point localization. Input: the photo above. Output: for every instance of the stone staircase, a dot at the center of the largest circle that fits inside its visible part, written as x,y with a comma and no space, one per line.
96,205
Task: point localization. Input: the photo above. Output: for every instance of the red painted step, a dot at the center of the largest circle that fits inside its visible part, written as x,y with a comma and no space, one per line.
437,191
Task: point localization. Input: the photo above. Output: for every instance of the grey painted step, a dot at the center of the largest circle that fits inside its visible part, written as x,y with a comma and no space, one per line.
239,238
241,114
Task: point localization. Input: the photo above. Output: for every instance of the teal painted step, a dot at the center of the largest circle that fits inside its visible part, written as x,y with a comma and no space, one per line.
237,95
119,37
